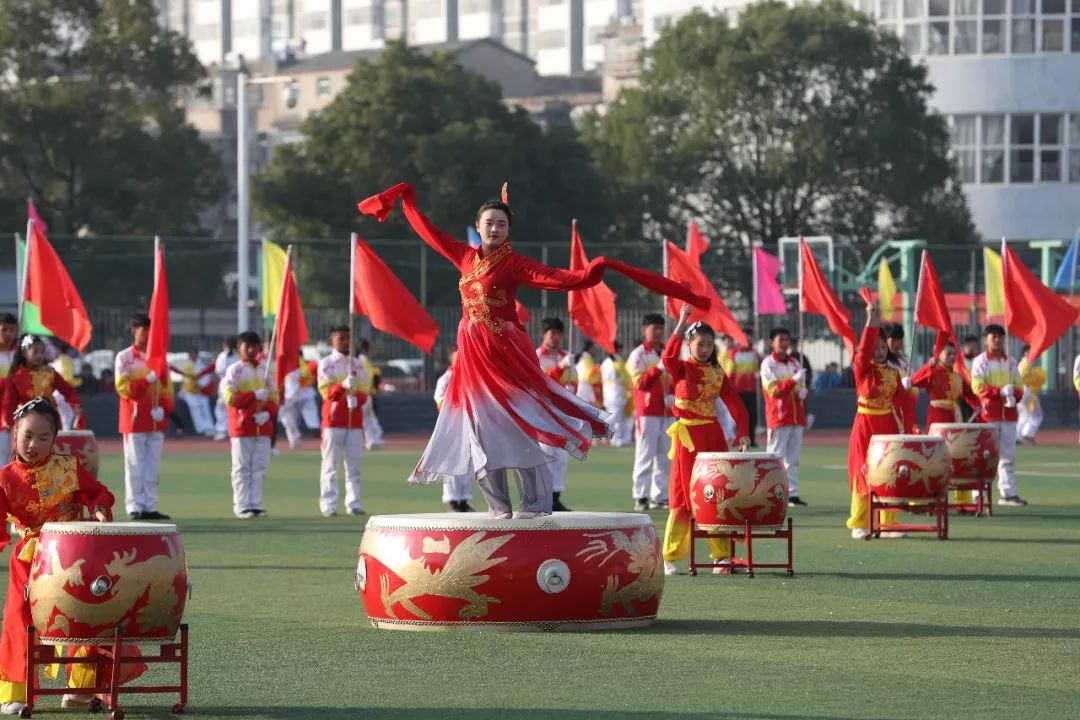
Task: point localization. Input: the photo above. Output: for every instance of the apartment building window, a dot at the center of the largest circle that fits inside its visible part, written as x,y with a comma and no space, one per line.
938,27
466,7
322,87
1052,35
1074,148
966,40
1075,26
315,21
965,146
993,148
913,26
1023,26
1022,148
551,39
993,26
1051,138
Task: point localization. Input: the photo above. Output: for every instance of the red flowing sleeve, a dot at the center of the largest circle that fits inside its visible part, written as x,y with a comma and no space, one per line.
92,493
921,379
5,536
736,407
670,357
864,353
379,207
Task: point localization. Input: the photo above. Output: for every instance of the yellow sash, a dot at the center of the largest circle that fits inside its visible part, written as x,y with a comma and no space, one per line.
680,435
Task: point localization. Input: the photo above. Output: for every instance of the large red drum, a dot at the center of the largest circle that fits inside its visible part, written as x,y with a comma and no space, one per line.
907,467
79,444
86,578
450,571
973,449
729,489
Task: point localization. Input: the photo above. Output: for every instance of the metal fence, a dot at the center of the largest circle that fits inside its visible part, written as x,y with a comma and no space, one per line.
114,276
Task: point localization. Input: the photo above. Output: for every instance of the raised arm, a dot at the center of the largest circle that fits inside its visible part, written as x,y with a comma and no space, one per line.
379,207
864,353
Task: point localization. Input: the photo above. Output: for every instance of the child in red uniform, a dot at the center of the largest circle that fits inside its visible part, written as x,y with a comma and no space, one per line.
699,382
35,488
501,410
32,377
943,385
879,412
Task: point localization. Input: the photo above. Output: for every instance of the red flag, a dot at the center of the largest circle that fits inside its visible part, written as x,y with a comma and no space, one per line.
932,311
49,288
379,294
592,310
817,297
32,213
682,269
696,244
290,328
157,345
1033,312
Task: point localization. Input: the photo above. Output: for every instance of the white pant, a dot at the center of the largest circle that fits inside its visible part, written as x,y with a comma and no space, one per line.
457,489
221,417
786,442
340,445
199,407
1006,463
142,461
373,434
250,461
651,464
290,420
1030,420
67,415
556,469
622,427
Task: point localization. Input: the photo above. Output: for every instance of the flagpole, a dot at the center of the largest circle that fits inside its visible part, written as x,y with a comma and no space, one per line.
157,385
25,269
1004,309
914,314
352,316
569,315
802,315
757,331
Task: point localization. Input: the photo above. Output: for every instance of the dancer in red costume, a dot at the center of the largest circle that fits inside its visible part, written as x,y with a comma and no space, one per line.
944,386
879,412
30,377
698,382
500,407
35,488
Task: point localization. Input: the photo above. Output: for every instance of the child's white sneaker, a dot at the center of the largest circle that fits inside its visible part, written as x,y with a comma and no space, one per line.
11,708
72,701
670,569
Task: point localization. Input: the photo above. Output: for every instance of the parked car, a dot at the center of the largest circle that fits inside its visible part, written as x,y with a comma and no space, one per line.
401,375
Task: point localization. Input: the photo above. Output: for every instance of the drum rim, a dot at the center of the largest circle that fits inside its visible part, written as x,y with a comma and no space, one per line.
894,437
735,455
80,433
481,521
513,625
965,426
90,527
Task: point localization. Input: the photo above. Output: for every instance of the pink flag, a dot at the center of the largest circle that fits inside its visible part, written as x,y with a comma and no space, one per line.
32,213
769,300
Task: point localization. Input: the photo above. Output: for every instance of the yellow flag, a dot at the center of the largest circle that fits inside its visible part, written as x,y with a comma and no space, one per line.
886,288
995,283
273,276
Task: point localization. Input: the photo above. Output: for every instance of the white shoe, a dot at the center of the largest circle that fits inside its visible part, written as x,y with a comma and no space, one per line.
722,567
220,436
860,534
525,515
75,702
670,569
501,516
893,535
11,708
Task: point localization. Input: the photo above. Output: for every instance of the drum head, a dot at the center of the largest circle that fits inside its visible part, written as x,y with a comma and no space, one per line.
962,426
909,438
75,433
117,528
483,521
738,456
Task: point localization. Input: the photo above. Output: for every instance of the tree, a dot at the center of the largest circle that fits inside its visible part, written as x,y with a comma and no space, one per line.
799,120
421,118
89,124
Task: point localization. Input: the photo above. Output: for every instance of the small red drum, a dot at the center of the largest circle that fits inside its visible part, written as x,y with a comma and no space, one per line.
570,571
86,578
973,449
79,444
729,489
908,467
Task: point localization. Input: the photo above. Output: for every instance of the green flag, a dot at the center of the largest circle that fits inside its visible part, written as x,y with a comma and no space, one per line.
31,317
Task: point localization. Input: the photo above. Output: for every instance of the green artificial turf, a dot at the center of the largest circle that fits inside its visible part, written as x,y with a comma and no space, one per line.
985,625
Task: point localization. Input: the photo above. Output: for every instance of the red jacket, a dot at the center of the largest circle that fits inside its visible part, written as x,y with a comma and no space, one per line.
649,382
698,387
332,372
242,380
745,362
783,406
138,397
24,385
